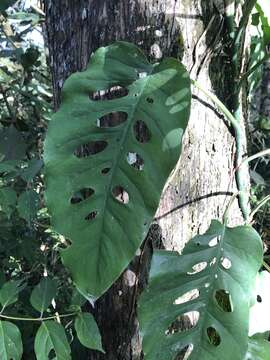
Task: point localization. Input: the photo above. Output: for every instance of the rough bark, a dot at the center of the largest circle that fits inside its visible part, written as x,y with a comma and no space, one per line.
203,180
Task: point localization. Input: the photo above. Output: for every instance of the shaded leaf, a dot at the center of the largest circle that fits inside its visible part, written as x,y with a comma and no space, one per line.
32,169
256,177
10,341
9,292
28,204
8,200
12,144
87,150
51,336
220,268
88,332
42,294
6,4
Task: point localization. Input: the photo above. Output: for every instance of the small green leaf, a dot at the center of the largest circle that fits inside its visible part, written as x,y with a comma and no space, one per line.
258,349
28,204
12,144
51,336
10,341
259,313
32,169
43,293
8,199
9,292
88,332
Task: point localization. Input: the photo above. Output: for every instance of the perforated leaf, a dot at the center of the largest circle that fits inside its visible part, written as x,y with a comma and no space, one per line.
10,341
213,278
108,160
51,339
258,349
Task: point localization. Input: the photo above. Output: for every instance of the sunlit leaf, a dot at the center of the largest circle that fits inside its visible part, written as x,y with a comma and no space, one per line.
258,349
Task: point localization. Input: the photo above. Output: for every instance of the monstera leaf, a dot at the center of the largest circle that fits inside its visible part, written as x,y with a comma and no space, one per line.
258,349
108,160
212,282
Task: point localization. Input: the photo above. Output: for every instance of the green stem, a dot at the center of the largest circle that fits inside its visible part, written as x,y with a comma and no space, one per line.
257,208
37,319
266,266
226,212
255,156
239,171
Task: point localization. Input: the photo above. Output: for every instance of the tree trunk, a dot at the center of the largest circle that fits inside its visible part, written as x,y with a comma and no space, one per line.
203,181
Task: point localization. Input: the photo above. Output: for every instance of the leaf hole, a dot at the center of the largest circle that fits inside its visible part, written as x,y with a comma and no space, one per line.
213,336
183,322
188,296
91,148
184,353
259,299
114,92
150,100
213,242
120,194
82,195
141,131
112,119
91,216
226,263
198,268
224,301
135,160
105,171
213,261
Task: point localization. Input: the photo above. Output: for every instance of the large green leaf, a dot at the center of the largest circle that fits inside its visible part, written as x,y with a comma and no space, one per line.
88,332
10,341
120,172
228,259
42,294
51,338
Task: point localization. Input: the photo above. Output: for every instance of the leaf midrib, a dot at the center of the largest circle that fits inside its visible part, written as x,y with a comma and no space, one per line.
116,162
